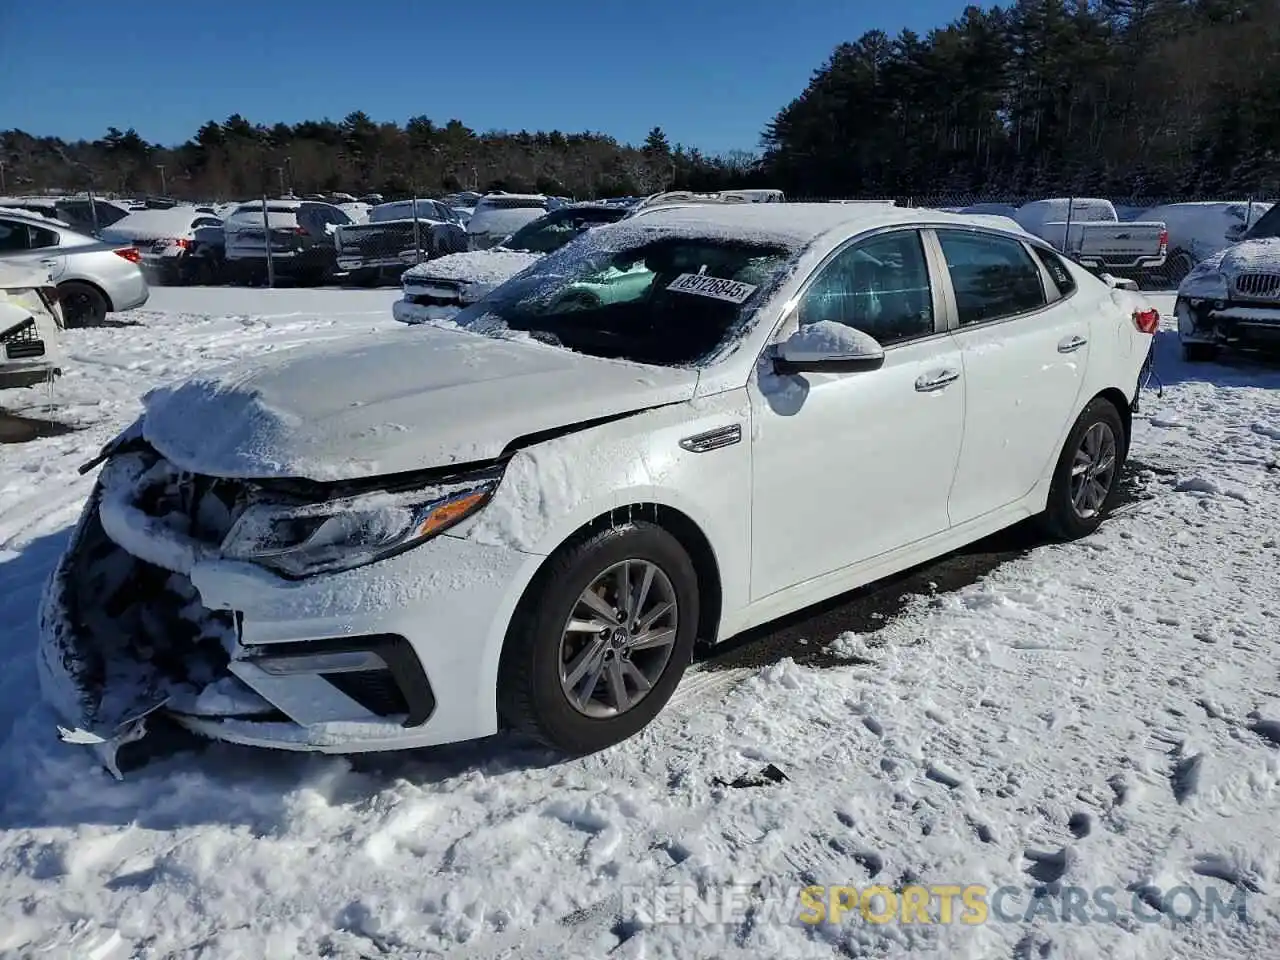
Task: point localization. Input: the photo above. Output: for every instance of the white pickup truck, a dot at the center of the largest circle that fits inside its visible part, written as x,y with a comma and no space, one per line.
1089,231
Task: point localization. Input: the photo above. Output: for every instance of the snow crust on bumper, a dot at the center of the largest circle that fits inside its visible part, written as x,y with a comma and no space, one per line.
406,312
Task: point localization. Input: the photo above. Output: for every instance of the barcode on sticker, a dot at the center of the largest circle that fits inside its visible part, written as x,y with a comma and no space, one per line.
705,286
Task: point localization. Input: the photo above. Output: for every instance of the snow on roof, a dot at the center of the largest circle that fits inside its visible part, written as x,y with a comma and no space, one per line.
31,215
790,225
174,222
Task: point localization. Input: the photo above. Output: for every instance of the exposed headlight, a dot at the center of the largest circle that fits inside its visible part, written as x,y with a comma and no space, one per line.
298,541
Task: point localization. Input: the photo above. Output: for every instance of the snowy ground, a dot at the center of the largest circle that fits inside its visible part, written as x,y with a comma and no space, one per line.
1103,714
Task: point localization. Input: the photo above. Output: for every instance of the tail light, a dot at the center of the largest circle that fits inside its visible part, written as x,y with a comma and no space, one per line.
1148,321
1164,241
129,253
182,242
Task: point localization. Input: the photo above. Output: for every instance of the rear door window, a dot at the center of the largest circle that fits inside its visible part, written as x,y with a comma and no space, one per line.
994,277
13,237
1063,281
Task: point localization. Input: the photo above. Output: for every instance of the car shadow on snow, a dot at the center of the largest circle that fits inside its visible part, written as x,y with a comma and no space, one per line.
1231,368
805,636
174,779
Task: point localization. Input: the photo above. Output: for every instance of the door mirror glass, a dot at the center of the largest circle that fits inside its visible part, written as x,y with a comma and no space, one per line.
828,347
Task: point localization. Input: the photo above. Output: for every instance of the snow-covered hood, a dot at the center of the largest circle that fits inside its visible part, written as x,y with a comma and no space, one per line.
374,405
1249,256
467,276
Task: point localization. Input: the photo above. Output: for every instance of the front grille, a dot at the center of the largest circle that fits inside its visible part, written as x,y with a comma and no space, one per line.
1259,286
375,690
22,341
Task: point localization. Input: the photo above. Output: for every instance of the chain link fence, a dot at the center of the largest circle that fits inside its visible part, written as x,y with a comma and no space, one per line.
377,253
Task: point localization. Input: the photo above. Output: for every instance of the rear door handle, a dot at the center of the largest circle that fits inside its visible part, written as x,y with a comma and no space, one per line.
1071,344
937,381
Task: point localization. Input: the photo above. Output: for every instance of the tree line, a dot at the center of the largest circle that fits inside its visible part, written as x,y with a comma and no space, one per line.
1093,97
236,158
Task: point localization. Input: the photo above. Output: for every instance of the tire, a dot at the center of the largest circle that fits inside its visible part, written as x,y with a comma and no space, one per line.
1199,352
1069,514
532,695
83,305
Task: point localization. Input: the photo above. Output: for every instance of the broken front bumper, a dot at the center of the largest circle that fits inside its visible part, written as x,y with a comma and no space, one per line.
140,616
1225,323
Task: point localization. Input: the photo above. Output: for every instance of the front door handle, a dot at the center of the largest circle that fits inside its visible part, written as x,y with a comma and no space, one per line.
937,381
1071,344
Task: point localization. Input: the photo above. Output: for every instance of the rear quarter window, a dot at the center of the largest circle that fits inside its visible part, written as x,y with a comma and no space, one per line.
1058,273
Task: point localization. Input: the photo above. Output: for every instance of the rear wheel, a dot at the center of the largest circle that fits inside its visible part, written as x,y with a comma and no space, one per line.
83,305
1085,480
601,640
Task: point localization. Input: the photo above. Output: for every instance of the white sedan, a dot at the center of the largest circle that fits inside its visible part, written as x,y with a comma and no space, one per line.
673,429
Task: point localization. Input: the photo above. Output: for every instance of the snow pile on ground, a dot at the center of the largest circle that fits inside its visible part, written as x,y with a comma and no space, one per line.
1100,715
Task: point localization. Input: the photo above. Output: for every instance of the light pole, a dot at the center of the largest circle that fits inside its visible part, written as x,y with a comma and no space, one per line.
2,186
164,189
288,163
280,174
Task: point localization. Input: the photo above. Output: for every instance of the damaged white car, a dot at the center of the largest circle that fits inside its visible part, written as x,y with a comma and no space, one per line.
1232,299
674,429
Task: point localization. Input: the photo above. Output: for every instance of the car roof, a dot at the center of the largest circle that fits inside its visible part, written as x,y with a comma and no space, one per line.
33,218
793,225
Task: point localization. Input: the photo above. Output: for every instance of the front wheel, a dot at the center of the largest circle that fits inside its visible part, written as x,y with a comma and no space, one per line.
1085,480
601,640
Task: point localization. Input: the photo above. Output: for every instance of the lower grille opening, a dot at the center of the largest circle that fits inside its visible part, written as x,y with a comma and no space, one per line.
375,690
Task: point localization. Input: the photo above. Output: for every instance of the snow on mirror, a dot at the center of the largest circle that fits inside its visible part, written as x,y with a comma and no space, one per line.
829,345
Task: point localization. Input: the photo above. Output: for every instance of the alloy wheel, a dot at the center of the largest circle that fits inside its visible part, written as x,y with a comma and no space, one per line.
618,638
1093,471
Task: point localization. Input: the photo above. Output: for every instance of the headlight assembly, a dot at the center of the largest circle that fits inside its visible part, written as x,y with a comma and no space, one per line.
298,541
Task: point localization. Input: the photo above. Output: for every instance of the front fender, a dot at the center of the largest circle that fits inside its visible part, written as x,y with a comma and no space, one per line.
553,489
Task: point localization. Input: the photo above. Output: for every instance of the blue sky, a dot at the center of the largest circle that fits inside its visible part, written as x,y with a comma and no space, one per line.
709,72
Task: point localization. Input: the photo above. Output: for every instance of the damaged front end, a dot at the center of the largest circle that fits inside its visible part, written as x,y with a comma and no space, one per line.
123,631
213,600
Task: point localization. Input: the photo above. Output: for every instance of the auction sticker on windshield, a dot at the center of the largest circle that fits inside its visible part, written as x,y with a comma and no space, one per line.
703,285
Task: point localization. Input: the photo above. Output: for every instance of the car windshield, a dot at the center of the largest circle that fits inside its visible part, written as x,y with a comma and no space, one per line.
1267,226
668,302
548,234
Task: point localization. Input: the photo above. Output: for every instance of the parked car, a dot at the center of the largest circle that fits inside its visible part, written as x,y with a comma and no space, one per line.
30,327
1232,298
1199,230
572,497
86,215
179,245
498,215
392,240
301,240
1088,231
93,277
437,288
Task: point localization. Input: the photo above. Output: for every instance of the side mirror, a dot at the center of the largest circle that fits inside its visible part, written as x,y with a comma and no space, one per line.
827,347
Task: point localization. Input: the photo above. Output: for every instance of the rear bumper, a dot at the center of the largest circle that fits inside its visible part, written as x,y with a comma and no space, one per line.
130,292
1228,324
400,654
